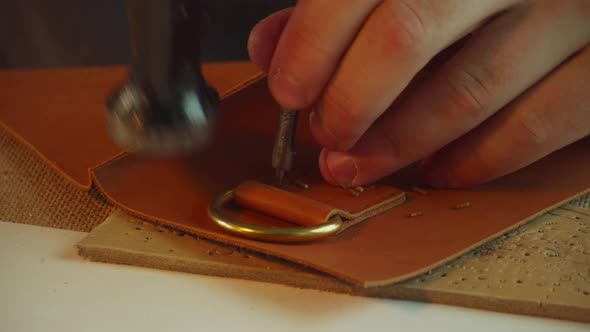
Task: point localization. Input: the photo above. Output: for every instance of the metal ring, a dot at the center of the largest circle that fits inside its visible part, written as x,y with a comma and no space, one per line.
269,234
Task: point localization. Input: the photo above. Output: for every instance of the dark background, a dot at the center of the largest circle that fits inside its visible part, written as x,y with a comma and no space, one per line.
63,33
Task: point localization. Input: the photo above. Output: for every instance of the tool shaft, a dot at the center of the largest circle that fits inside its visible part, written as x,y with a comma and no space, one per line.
166,106
284,148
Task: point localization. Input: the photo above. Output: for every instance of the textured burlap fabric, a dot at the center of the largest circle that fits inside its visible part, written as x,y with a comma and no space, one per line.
33,193
583,202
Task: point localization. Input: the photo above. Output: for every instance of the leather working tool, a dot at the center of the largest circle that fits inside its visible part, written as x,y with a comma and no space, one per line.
284,148
166,107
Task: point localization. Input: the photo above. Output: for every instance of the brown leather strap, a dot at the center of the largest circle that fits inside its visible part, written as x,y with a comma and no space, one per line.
282,204
317,203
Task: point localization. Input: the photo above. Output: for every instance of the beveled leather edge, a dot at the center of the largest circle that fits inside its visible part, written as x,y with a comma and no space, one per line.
242,85
362,216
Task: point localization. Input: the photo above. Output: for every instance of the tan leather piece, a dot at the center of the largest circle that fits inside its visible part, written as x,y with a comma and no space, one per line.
59,113
318,203
392,247
537,269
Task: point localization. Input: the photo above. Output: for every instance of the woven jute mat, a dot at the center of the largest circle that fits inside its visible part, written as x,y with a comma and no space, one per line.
582,201
33,193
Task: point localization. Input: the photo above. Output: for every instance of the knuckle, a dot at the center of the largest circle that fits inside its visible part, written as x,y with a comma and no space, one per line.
404,26
470,94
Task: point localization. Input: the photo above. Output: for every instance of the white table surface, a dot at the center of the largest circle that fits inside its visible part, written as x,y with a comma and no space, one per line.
45,286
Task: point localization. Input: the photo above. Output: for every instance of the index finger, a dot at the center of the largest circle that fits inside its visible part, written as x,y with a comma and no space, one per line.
310,47
398,39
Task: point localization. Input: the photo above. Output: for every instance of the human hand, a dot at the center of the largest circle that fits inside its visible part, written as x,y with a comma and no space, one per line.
517,89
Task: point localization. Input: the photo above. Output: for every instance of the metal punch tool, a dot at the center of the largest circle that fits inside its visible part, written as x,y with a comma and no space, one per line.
284,148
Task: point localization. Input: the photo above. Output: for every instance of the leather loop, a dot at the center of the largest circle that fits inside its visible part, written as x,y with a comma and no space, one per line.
269,234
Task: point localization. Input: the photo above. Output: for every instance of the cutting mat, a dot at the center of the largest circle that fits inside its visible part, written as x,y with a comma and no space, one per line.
541,269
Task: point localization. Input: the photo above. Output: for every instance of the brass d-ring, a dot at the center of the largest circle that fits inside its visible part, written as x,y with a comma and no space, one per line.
270,234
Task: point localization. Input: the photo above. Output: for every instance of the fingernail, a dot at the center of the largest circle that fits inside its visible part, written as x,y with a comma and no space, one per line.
287,90
343,168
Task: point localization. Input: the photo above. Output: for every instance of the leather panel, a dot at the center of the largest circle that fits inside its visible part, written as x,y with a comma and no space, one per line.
393,246
60,113
176,191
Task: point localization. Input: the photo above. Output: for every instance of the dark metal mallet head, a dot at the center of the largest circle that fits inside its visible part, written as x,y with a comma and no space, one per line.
166,106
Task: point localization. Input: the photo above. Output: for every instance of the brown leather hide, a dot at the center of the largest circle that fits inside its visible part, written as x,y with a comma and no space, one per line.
59,113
